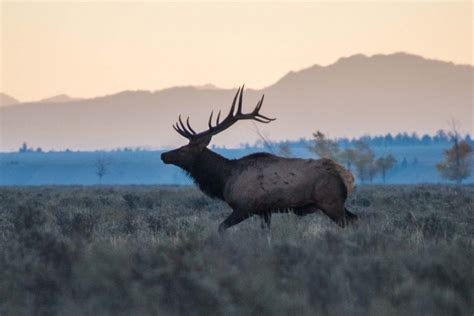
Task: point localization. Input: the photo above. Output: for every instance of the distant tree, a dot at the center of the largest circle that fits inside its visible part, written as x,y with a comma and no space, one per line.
468,139
399,139
457,164
457,159
101,167
373,169
405,139
384,164
24,148
404,163
324,147
366,139
364,161
441,137
348,157
380,141
39,150
414,138
345,142
426,139
388,139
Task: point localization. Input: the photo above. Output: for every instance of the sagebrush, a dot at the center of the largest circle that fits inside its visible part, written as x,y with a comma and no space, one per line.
149,250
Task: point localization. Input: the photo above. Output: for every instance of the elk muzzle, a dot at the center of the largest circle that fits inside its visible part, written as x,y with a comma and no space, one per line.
167,157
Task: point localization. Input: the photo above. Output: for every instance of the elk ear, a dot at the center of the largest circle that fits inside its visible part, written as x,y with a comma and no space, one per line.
201,142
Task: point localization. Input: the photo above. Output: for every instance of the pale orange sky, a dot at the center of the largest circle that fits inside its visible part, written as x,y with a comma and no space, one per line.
97,48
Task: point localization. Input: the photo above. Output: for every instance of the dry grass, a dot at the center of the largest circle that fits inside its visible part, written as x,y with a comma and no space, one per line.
155,250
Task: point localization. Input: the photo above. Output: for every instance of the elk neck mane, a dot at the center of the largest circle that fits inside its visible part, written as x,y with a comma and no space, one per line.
210,172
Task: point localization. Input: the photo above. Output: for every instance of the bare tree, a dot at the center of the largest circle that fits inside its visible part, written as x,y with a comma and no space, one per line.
266,143
348,157
324,147
101,166
384,164
364,161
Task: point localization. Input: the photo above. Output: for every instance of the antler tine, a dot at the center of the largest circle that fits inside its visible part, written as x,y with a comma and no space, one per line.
256,113
239,107
182,124
264,118
183,129
210,120
189,126
232,108
259,104
258,119
218,117
180,131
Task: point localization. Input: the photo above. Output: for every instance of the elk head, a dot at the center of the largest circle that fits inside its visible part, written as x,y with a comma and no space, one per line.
185,156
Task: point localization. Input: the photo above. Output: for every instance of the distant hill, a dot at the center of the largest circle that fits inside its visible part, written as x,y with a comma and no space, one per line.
5,100
61,98
354,96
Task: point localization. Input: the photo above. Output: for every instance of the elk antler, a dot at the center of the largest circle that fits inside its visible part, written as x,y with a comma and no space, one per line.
233,116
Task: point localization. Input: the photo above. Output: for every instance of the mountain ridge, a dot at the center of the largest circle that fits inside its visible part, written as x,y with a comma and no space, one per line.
7,100
355,95
60,98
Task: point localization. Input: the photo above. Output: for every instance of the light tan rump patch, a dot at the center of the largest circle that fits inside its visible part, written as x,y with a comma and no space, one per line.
347,177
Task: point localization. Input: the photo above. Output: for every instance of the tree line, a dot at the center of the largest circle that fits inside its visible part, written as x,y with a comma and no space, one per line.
360,158
399,139
441,137
356,154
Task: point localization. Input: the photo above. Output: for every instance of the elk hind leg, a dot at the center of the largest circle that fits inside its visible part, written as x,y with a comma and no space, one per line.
233,219
335,210
351,217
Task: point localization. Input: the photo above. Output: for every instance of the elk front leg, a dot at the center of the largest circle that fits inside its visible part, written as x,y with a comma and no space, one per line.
233,219
266,220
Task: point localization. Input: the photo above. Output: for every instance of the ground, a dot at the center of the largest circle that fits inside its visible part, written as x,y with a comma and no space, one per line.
151,250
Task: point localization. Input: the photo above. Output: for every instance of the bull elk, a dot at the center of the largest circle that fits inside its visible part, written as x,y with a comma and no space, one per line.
261,183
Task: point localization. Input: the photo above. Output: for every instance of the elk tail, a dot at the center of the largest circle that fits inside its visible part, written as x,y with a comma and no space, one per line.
347,177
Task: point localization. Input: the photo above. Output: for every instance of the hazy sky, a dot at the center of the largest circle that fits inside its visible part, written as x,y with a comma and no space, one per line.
96,48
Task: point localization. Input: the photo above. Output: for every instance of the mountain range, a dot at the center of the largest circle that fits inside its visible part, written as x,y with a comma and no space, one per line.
6,100
354,96
60,98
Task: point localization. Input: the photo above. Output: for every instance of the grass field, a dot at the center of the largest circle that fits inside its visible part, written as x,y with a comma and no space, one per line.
148,250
